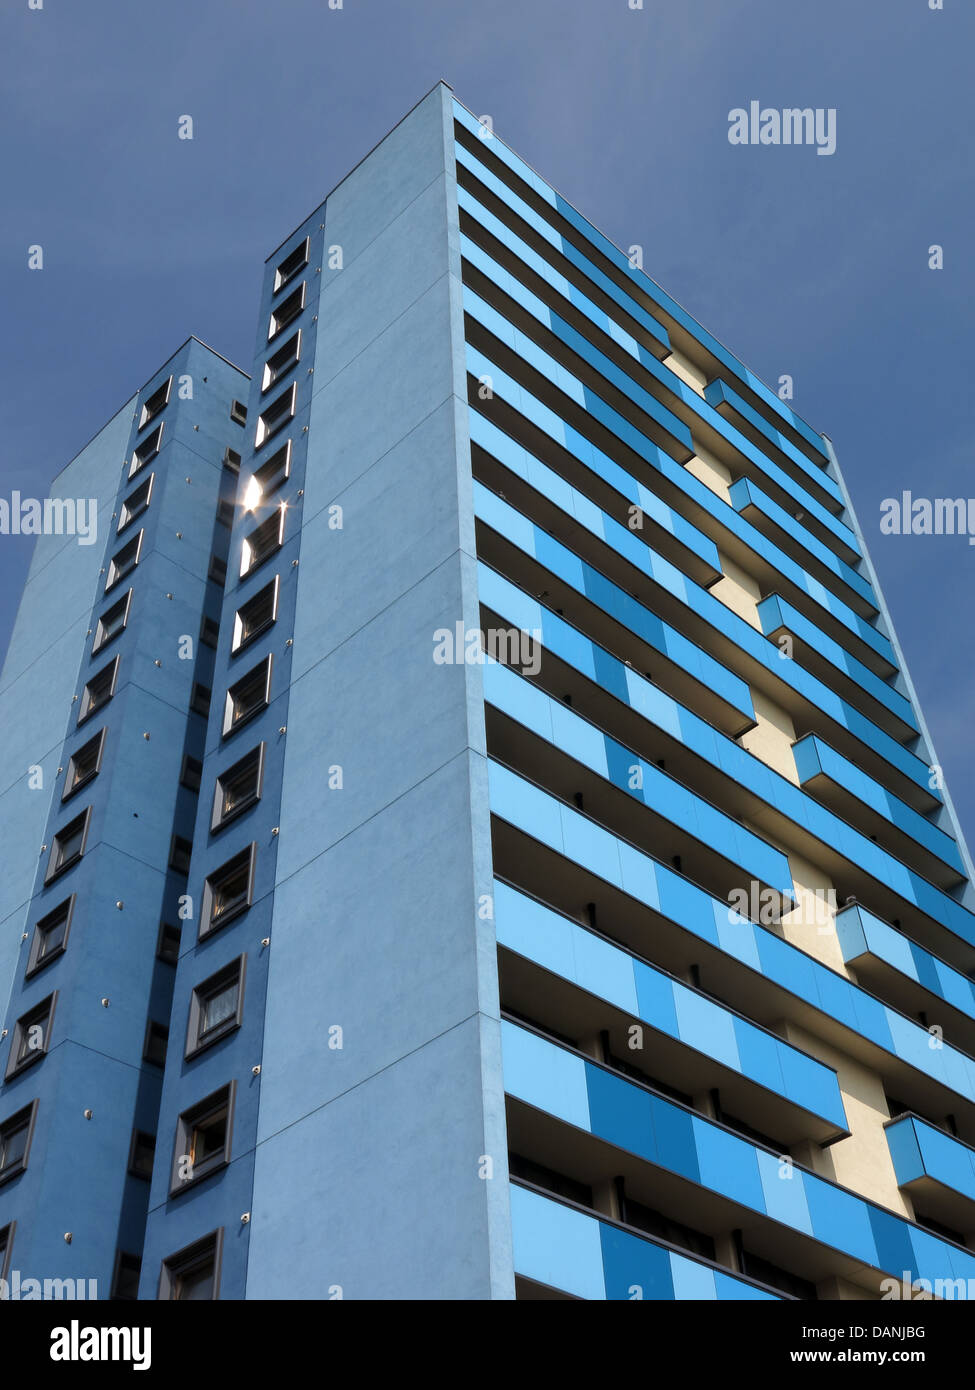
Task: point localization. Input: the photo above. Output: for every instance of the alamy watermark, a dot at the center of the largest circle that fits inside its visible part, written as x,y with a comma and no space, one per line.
511,646
52,516
793,125
908,515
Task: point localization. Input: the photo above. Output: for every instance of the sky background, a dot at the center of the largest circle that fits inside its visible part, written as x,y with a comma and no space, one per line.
801,264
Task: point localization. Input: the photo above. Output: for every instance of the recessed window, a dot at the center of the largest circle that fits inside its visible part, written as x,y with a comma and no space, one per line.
287,311
269,477
225,513
167,947
262,542
293,262
191,773
136,503
228,891
153,404
200,699
68,846
238,412
256,615
146,451
247,697
98,691
277,415
216,1007
31,1037
124,561
6,1248
238,788
111,623
193,1274
209,632
125,1280
231,460
84,765
50,937
180,851
142,1151
280,363
156,1040
218,570
203,1135
15,1136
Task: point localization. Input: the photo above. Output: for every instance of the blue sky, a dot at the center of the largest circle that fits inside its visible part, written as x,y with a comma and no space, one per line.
802,264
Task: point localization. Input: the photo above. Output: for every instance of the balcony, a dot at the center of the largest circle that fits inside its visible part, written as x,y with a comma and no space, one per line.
936,1170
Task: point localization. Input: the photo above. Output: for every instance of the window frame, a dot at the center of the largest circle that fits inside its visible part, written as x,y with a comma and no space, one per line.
114,1295
126,513
248,567
100,640
35,961
230,724
17,1065
146,451
238,643
187,1124
210,926
271,376
218,820
272,474
208,1248
7,1234
235,969
130,1166
147,413
85,714
55,872
298,296
165,926
30,1112
301,255
114,575
71,789
238,412
282,411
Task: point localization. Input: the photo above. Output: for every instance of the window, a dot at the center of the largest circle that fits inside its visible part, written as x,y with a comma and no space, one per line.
200,699
225,513
209,632
228,891
203,1136
136,503
146,451
238,412
15,1136
142,1151
262,542
559,1183
269,477
167,947
231,460
255,616
277,415
98,691
31,1036
124,561
50,937
250,695
287,311
193,1273
753,1267
191,773
216,1007
238,788
125,1280
180,851
84,765
152,405
218,570
293,262
654,1223
111,623
6,1248
68,846
282,362
156,1040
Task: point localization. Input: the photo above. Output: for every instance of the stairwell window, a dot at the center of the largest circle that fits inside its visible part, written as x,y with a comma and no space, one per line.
262,542
280,363
136,503
124,561
293,262
247,697
98,691
84,764
68,846
238,412
255,616
287,311
271,475
111,623
277,415
238,788
146,451
153,404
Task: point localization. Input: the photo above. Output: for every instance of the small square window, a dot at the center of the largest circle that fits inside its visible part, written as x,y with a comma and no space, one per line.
136,503
31,1037
111,623
84,764
98,691
262,542
125,1279
228,891
287,311
200,699
209,632
281,362
238,412
180,851
231,460
68,845
276,415
124,561
142,1151
247,697
271,475
154,1048
216,1007
218,570
167,947
153,404
15,1136
6,1249
256,615
293,262
225,514
191,773
203,1135
193,1274
238,788
50,937
146,451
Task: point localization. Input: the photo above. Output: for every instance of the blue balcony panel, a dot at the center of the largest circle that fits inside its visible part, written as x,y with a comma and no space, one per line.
763,974
936,1170
641,284
565,1248
648,1128
780,1088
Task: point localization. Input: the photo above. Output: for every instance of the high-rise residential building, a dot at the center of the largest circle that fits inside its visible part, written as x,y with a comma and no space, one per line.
492,847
